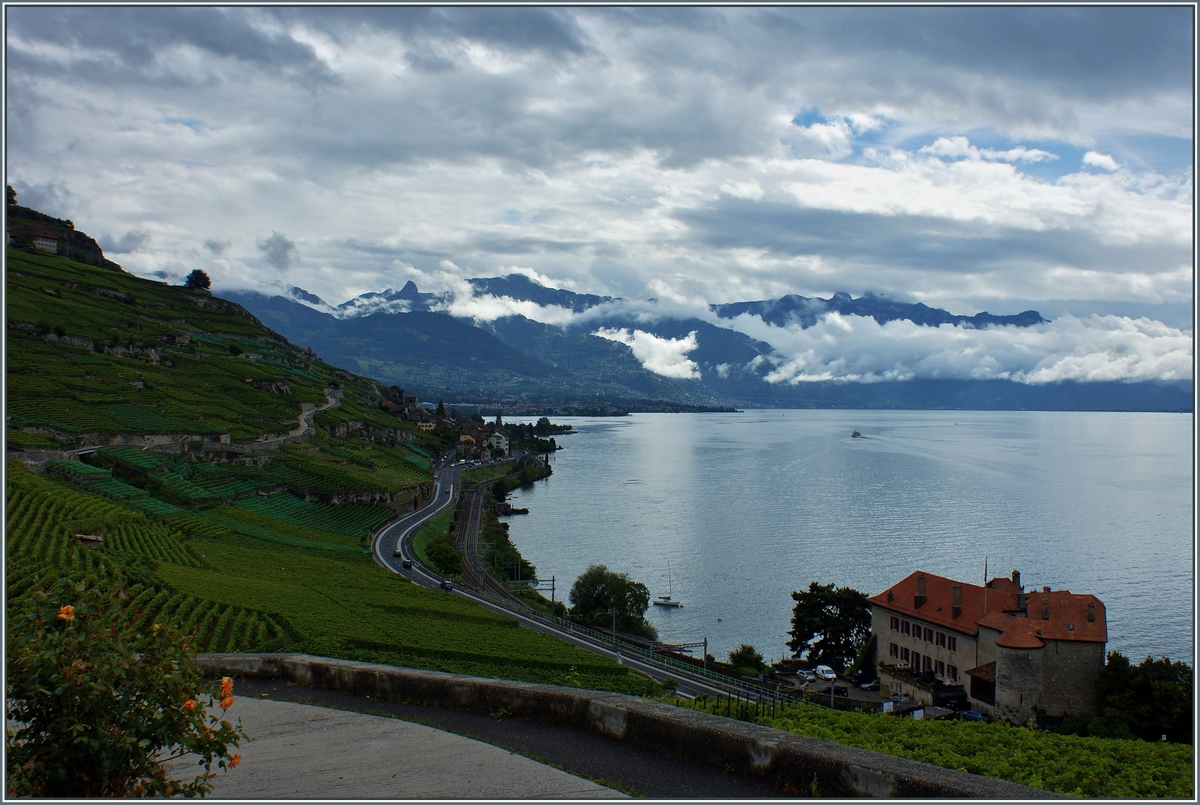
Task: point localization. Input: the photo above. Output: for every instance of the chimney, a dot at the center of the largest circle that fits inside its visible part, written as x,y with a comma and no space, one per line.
1021,601
1046,588
919,598
890,596
1091,611
1045,609
1016,577
956,601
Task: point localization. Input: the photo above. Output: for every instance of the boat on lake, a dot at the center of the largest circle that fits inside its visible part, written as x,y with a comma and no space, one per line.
666,600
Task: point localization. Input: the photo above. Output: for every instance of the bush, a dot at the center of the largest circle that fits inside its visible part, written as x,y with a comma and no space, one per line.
97,709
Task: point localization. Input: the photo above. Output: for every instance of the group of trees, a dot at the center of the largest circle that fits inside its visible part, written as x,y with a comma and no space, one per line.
1150,701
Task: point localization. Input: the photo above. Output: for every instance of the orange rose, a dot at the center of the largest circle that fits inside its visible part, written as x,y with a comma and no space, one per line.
66,613
227,702
226,687
234,761
190,704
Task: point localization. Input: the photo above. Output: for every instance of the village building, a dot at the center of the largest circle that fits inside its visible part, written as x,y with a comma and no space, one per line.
1014,655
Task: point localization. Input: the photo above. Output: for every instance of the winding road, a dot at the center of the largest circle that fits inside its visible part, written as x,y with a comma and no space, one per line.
392,548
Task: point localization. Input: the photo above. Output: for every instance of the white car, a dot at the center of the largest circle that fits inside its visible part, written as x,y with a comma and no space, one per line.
825,672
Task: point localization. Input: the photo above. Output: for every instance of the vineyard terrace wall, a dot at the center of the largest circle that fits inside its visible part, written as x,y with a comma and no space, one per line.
795,761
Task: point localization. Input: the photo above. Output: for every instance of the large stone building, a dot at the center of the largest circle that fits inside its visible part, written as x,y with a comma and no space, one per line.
996,648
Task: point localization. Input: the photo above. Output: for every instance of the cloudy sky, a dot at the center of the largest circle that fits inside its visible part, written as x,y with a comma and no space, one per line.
970,158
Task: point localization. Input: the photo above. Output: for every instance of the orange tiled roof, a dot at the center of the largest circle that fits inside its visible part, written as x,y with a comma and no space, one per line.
1067,613
1001,594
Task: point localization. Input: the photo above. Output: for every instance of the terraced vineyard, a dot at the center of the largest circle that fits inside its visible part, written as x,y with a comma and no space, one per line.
232,545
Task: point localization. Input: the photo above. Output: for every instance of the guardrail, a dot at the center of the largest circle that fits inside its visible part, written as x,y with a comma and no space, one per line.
666,663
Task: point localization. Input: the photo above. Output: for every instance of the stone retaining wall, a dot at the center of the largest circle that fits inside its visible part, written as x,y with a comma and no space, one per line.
784,758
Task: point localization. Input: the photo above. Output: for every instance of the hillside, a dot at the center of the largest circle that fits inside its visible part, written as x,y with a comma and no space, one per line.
158,443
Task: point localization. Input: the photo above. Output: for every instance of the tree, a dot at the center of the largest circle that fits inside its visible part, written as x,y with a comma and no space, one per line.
441,408
746,658
1147,701
12,196
598,591
829,625
97,705
197,281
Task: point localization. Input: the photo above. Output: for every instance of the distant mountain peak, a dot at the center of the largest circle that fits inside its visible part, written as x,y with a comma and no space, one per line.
806,311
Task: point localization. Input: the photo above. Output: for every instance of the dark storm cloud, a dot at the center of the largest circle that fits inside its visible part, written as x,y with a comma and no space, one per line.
278,250
908,241
547,31
115,42
126,244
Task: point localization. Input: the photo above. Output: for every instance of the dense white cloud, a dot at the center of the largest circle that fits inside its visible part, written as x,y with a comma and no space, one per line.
1096,348
663,356
1101,161
972,158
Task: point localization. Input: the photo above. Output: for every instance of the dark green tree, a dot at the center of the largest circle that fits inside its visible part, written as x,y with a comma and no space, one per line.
1147,701
746,658
598,591
441,408
829,625
197,281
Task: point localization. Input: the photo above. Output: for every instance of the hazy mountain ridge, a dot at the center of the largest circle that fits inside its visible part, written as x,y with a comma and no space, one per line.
424,342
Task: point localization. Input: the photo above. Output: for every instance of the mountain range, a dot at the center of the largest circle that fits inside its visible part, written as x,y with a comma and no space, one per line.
542,346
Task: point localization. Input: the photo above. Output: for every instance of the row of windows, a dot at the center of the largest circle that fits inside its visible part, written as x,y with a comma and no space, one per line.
923,662
940,639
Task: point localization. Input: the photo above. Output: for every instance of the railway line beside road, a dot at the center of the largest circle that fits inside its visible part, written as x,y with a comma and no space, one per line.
392,548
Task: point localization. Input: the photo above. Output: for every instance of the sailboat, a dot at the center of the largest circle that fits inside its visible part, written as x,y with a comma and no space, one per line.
665,600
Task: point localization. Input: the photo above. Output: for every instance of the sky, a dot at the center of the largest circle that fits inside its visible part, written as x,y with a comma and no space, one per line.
971,158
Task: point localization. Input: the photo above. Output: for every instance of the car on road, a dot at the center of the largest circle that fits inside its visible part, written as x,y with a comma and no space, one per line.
407,563
870,684
447,584
806,675
825,672
901,698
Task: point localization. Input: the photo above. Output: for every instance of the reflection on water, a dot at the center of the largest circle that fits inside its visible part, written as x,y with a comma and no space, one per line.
749,507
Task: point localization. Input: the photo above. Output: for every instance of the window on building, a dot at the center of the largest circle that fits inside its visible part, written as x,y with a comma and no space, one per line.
893,650
904,654
941,639
952,643
940,668
926,663
953,671
928,635
904,627
895,624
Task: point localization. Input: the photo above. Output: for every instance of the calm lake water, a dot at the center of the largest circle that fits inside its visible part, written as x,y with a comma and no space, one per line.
745,508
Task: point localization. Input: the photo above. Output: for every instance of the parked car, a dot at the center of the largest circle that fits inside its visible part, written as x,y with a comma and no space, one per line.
974,715
901,698
870,684
806,675
825,672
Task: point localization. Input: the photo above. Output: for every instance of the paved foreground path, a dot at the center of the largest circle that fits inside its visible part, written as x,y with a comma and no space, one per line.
302,751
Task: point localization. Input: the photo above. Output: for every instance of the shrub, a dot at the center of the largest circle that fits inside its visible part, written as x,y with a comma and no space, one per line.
97,708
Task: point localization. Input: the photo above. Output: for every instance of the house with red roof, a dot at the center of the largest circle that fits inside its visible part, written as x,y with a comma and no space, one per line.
991,647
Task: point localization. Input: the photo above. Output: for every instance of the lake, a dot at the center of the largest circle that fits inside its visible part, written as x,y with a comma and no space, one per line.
744,508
